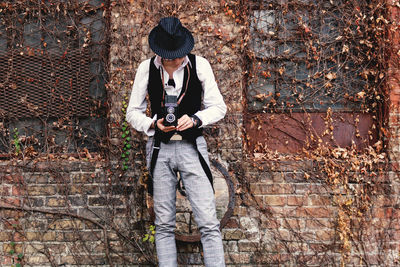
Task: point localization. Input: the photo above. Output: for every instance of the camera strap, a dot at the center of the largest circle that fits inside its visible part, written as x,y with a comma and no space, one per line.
205,166
154,156
163,85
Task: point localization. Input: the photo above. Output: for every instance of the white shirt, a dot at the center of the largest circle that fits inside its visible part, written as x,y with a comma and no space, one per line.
214,106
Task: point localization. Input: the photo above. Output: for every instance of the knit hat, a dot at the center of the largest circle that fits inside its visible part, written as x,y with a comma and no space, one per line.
170,40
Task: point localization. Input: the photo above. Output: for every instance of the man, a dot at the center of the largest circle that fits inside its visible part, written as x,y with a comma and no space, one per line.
179,85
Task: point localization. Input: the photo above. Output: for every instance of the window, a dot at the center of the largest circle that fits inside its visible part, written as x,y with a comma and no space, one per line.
52,75
309,58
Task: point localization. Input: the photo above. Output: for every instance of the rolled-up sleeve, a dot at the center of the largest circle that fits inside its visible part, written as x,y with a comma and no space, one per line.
136,111
214,105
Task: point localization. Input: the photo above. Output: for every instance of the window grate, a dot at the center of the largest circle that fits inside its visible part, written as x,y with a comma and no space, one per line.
35,83
304,59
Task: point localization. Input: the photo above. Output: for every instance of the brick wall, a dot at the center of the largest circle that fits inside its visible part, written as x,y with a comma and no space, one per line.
394,80
89,212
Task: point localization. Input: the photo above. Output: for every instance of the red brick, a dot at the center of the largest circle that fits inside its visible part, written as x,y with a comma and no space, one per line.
5,260
275,200
315,212
11,223
265,189
237,258
19,237
13,178
385,213
319,223
248,246
18,191
232,223
9,201
320,200
5,190
395,99
295,224
296,200
319,247
270,224
382,201
324,235
278,211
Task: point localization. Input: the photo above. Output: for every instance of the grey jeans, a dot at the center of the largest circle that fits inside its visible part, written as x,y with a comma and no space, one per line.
182,156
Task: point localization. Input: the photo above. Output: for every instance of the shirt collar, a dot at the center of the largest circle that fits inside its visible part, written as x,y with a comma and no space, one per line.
158,63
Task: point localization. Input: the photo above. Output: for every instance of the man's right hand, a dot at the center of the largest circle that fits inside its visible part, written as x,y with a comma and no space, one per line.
164,128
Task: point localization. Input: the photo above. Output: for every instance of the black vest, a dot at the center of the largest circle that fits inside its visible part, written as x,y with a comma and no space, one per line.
190,104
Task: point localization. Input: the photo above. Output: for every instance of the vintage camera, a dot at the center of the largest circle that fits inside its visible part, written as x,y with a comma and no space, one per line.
171,110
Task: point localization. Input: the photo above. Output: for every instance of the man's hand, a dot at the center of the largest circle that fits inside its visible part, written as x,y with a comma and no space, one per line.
164,128
184,123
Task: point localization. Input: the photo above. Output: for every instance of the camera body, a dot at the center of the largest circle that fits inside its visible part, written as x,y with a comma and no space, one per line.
171,110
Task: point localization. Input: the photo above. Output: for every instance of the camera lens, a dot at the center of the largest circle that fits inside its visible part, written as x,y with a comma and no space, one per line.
170,109
170,118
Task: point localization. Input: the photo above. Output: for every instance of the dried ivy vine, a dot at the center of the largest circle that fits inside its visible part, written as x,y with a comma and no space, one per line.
354,177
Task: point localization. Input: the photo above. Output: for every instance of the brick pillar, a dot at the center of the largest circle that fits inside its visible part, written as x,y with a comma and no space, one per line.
394,80
394,109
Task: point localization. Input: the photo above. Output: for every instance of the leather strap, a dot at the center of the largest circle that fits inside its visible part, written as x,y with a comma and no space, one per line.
154,156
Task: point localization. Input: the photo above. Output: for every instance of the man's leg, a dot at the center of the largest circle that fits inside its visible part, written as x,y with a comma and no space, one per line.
164,196
201,197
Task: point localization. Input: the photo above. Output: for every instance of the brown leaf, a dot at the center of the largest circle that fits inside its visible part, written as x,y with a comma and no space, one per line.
360,94
331,76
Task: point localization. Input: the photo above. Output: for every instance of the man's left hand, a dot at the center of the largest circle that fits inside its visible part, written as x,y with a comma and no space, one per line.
184,123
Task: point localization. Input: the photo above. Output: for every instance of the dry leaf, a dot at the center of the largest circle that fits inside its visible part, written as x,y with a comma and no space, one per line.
331,76
360,94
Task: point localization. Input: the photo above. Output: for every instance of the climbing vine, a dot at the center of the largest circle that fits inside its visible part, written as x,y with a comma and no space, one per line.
329,57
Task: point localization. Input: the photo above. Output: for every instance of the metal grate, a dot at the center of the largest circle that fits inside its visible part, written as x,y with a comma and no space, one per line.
36,83
303,60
